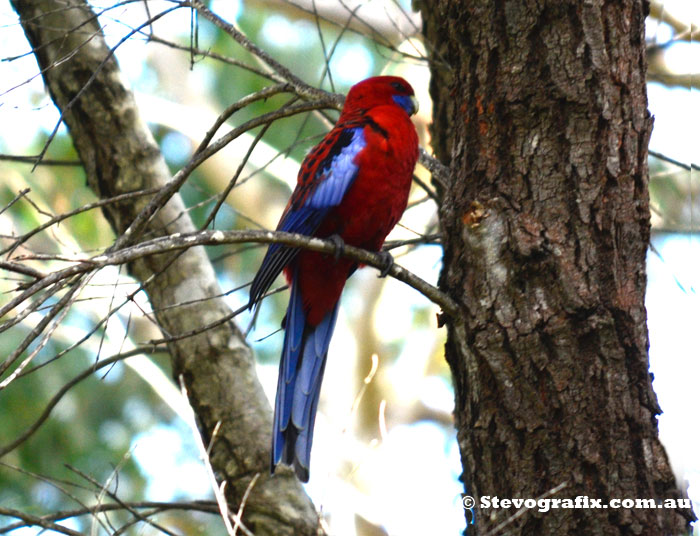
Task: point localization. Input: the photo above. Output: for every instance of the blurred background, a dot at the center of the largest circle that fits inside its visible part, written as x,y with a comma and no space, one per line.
125,426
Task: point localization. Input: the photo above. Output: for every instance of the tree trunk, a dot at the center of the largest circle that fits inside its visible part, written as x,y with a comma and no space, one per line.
119,155
540,110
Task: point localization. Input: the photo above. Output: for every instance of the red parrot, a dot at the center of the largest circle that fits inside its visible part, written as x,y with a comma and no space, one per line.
352,188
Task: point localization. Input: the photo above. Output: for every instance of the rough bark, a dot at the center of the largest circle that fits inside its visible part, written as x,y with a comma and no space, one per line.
541,112
119,155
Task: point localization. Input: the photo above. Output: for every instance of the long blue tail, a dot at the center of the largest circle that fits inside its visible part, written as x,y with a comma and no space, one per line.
299,385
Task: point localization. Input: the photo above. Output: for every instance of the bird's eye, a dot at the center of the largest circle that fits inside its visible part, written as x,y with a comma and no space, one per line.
398,86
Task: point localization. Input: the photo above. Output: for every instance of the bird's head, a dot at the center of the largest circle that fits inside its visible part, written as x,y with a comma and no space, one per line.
379,91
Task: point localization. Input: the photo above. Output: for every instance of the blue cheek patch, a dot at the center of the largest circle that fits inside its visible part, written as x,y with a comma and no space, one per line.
406,102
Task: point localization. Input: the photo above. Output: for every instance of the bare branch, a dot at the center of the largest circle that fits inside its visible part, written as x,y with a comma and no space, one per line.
439,170
94,74
216,56
19,196
150,349
37,160
64,216
207,507
670,160
104,491
264,93
21,269
210,238
35,521
283,73
689,81
218,490
55,315
657,10
144,217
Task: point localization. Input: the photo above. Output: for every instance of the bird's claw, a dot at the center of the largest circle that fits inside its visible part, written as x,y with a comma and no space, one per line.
388,261
339,244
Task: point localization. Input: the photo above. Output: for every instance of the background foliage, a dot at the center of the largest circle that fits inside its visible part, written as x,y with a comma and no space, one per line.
121,431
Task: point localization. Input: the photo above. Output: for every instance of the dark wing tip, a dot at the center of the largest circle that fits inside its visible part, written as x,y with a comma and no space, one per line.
301,471
286,455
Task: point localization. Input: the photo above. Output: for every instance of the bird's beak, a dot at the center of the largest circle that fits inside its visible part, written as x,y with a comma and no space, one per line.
414,105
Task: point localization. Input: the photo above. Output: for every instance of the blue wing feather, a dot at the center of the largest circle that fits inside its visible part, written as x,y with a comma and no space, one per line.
293,339
339,175
299,385
302,447
311,203
307,391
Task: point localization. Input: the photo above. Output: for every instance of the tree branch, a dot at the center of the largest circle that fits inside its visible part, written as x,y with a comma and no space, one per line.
176,242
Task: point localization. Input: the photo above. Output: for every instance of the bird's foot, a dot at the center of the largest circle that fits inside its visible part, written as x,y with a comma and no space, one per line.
388,261
339,244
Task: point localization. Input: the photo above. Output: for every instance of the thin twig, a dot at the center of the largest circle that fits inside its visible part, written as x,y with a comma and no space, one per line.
150,349
263,94
244,500
687,167
36,521
232,183
183,241
218,57
208,507
93,76
21,269
439,170
516,515
218,490
57,313
144,217
90,206
300,87
36,160
105,491
19,196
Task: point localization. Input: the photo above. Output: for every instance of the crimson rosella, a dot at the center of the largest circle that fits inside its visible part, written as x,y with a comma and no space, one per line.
352,188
